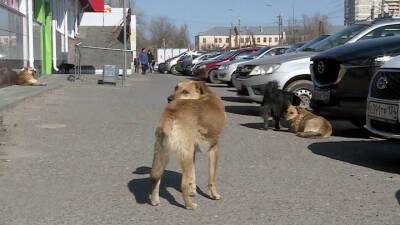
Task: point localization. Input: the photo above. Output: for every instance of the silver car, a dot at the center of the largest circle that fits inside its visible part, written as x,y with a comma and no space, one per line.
292,71
383,104
226,70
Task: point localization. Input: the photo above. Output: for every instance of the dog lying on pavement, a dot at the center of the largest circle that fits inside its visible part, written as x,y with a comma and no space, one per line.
27,78
307,125
275,104
192,121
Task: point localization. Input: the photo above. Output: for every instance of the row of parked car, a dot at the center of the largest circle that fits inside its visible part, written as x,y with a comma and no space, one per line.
353,74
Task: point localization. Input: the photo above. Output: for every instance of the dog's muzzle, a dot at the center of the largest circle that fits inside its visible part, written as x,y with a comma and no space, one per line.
170,98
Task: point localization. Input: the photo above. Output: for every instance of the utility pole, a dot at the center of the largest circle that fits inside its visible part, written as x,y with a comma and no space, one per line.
240,40
293,34
383,9
280,28
230,37
124,15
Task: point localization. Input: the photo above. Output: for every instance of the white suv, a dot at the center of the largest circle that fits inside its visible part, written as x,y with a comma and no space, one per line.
383,104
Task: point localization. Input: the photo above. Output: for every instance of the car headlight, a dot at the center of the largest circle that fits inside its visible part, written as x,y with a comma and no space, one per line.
264,69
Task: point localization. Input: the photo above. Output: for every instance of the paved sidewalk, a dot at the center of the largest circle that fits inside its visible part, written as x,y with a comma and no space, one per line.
12,95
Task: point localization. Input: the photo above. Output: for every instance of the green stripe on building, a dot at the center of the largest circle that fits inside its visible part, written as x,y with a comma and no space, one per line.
42,14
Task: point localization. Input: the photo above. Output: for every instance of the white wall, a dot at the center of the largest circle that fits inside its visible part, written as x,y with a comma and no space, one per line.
100,19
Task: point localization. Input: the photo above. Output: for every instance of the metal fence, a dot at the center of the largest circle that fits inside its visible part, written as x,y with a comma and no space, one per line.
78,59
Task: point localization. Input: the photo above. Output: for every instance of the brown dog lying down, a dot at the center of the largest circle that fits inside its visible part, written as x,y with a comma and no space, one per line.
192,121
307,125
26,78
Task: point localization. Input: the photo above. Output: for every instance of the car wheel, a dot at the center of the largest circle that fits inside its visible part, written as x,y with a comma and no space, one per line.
213,77
303,89
174,71
230,83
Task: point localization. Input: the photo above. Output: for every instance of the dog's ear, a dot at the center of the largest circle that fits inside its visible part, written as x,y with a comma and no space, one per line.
201,87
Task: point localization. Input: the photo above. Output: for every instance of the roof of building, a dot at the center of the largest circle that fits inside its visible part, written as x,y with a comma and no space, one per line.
245,30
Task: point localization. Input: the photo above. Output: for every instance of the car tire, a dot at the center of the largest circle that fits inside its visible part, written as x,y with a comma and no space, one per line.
230,83
213,77
303,89
174,71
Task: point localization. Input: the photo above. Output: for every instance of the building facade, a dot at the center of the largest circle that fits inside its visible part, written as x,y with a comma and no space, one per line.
226,37
43,33
358,10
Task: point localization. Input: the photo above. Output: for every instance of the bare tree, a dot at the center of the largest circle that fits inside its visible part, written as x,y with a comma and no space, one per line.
308,28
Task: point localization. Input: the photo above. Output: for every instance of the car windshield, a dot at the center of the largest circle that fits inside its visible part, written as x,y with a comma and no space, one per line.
312,42
257,53
225,55
337,39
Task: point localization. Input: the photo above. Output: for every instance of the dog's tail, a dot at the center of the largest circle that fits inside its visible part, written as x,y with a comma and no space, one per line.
310,134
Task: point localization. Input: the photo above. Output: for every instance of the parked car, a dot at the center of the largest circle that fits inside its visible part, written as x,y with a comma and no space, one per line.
341,77
188,65
226,70
183,63
292,70
383,114
208,70
170,64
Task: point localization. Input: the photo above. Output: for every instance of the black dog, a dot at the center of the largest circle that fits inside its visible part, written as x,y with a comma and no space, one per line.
276,103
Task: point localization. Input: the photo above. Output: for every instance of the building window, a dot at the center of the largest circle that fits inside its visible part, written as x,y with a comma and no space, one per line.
227,40
220,40
276,39
258,40
241,40
270,39
247,39
265,40
215,40
204,40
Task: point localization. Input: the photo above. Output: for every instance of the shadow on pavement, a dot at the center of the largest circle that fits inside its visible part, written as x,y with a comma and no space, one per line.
243,110
218,85
140,188
398,196
378,155
235,99
260,126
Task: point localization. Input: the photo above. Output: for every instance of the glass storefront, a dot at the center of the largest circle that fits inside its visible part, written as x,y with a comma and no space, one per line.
11,43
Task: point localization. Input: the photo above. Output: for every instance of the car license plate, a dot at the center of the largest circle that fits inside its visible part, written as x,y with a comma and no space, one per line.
382,111
321,95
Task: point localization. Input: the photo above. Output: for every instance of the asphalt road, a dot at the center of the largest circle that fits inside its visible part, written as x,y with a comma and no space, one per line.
81,155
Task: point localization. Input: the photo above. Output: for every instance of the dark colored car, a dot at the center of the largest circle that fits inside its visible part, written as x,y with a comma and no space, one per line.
341,77
184,62
208,69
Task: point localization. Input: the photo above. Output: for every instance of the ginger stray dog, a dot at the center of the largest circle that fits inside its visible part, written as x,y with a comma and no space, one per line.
26,78
192,121
307,125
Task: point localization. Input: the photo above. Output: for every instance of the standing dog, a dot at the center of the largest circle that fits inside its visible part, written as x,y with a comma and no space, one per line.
26,77
192,121
307,125
275,104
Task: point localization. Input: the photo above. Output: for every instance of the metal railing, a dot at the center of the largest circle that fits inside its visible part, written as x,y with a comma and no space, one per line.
78,60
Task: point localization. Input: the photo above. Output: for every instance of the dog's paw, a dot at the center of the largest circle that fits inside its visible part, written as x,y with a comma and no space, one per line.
155,202
193,193
215,196
191,206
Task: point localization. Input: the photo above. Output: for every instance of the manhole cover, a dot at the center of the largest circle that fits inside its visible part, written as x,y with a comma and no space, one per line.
51,126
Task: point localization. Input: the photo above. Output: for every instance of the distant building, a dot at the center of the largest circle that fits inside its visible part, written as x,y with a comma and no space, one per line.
226,37
357,10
